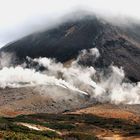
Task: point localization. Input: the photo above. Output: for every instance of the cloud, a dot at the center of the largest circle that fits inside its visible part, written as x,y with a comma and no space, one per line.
21,17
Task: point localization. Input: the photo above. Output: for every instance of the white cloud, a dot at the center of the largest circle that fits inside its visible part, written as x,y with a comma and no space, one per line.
20,17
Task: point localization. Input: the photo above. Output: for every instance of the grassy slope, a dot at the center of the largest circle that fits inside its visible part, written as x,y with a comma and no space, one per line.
78,126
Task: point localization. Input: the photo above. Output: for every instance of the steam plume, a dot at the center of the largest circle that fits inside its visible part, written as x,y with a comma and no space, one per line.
85,80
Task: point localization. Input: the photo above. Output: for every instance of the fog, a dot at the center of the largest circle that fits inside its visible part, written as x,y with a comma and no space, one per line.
21,17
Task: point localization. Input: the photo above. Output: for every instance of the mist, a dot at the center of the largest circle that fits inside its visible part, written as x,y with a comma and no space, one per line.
22,17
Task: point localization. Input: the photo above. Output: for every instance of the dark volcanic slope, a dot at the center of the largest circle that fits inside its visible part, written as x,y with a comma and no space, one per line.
62,42
65,41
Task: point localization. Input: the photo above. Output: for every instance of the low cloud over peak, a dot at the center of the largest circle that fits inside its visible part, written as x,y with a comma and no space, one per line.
19,18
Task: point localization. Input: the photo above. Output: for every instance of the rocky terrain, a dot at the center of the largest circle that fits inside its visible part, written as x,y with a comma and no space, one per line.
49,99
71,116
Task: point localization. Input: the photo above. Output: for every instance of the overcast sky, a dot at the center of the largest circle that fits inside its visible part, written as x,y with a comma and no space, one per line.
21,17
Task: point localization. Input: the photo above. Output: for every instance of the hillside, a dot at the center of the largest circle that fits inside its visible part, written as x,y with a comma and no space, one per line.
79,80
117,45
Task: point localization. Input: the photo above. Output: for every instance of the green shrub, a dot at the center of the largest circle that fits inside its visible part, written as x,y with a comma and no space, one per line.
81,136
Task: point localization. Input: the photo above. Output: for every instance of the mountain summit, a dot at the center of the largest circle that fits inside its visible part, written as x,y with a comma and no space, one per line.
117,45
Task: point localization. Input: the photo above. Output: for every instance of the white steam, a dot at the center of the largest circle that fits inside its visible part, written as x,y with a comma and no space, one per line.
6,59
84,80
21,77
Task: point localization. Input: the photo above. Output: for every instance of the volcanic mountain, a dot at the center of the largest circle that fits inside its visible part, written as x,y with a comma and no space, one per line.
118,45
75,100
